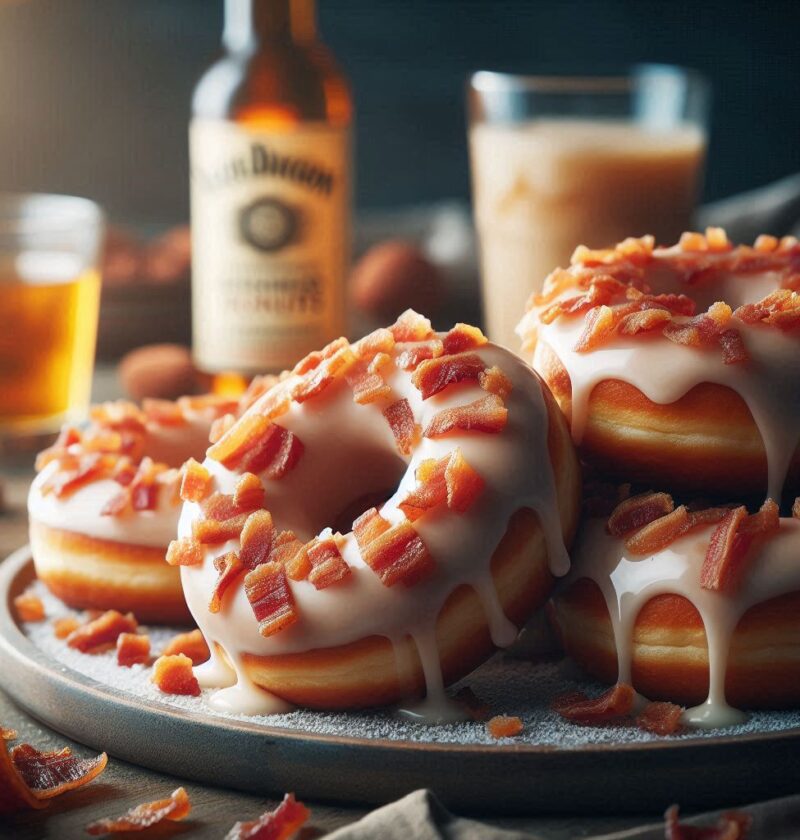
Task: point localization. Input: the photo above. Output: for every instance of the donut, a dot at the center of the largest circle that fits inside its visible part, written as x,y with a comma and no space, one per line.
377,523
698,607
678,367
105,505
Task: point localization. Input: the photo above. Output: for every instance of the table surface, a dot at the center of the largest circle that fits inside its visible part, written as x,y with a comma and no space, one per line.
124,785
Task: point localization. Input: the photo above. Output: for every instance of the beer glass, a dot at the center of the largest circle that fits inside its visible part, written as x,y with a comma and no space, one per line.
559,162
49,297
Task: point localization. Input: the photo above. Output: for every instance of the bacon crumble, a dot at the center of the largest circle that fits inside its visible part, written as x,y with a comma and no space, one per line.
450,479
637,511
185,551
327,564
62,627
434,375
463,337
230,567
270,597
660,718
488,415
101,631
29,607
195,481
173,674
174,809
50,774
191,644
132,649
401,421
398,555
614,704
411,326
281,824
410,354
503,726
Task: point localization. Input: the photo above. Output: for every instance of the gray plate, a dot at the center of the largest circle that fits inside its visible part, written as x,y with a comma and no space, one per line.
512,779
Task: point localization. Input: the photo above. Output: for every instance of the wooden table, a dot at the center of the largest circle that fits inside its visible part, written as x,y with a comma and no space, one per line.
123,785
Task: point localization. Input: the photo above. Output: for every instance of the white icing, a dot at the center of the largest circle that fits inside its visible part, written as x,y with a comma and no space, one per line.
79,512
628,582
350,452
664,371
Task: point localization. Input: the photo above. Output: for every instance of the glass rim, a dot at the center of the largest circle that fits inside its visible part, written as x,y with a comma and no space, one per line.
498,81
39,212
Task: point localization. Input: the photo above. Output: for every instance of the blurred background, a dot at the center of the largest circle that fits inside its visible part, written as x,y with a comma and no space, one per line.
95,94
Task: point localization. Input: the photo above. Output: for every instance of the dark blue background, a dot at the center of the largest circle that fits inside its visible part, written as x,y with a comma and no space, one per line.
94,94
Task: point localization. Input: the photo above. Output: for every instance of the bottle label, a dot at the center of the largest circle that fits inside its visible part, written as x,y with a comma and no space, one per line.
270,243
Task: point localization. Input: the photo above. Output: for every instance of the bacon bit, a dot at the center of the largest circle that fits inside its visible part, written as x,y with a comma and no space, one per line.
366,380
68,436
613,704
796,508
291,553
401,421
369,526
411,354
717,240
268,592
49,774
463,337
29,607
132,649
430,491
434,375
327,564
101,631
660,718
399,556
637,250
765,243
249,492
781,309
259,385
637,511
691,241
174,675
223,521
8,734
725,555
488,414
281,824
703,330
256,444
185,552
643,321
706,516
464,485
84,471
220,427
659,533
195,481
472,705
734,351
191,644
62,627
316,357
163,412
148,814
765,521
320,378
380,341
732,825
411,326
496,382
256,538
502,726
229,567
599,325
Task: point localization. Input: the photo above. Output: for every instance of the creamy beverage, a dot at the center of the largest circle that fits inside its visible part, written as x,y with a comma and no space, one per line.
542,187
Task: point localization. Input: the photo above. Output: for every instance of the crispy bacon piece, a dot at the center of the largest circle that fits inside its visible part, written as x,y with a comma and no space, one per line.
191,644
464,485
82,471
637,511
409,355
659,533
223,517
644,320
229,567
195,481
411,326
601,291
220,427
495,381
8,734
708,329
765,521
132,649
503,726
256,444
148,814
29,607
487,414
401,421
163,412
268,592
660,718
249,492
732,825
68,436
399,556
316,357
281,824
706,516
62,627
185,552
434,375
796,508
463,337
366,379
613,704
449,479
173,674
15,795
291,553
599,325
256,539
733,350
101,631
49,774
374,343
780,308
327,564
369,526
325,374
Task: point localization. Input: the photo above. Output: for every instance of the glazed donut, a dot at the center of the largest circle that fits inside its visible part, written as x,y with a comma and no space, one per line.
105,505
699,608
655,392
482,484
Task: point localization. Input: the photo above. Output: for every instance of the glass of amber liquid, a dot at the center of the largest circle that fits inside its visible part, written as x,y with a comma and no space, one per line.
49,298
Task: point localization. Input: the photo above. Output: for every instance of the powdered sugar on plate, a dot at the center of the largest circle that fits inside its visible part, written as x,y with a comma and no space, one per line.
507,686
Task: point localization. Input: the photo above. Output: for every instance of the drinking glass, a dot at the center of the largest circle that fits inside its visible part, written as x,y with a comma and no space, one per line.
559,162
49,297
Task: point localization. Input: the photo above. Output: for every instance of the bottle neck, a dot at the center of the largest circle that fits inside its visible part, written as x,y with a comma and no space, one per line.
250,23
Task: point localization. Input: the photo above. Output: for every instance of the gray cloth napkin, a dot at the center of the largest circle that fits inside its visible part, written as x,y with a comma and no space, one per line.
421,816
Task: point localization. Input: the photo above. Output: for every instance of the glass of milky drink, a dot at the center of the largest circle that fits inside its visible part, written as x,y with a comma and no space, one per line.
559,162
49,296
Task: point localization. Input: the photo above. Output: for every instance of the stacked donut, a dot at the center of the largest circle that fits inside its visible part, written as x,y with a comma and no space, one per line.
679,369
105,505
